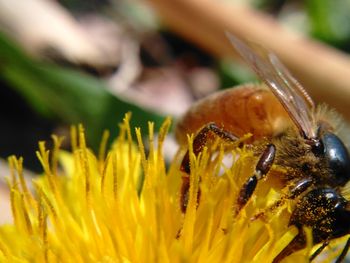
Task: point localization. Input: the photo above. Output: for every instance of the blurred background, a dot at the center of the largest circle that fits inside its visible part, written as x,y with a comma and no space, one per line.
91,61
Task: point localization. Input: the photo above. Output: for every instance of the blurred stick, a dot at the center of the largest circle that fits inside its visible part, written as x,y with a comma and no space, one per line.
324,71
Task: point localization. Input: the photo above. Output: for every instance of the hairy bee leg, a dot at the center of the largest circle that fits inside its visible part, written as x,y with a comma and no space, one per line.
294,190
199,142
261,169
319,250
344,252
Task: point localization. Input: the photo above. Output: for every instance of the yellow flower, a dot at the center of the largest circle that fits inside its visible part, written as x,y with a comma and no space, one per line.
124,207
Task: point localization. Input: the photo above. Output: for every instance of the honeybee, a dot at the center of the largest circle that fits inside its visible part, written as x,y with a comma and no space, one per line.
302,137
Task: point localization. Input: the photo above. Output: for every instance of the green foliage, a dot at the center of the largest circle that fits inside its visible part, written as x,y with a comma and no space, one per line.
69,96
330,20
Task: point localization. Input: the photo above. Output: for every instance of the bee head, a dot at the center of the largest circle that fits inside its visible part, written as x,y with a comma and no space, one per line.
337,156
326,211
330,147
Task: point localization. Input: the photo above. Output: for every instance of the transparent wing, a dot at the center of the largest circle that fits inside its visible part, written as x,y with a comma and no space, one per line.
286,88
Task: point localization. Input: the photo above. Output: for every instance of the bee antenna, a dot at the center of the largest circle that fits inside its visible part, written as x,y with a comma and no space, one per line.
316,146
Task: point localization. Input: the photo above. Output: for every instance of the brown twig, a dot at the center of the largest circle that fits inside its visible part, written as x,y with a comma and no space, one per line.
324,71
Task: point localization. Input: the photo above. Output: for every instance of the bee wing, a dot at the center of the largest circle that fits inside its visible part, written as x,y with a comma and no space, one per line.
285,73
286,88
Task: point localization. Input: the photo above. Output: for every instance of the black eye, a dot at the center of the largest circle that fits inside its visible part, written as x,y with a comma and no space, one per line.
338,158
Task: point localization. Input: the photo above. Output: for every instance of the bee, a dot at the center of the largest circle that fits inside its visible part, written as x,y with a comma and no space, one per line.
302,137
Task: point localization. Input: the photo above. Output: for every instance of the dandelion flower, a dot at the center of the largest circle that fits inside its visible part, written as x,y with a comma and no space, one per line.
123,206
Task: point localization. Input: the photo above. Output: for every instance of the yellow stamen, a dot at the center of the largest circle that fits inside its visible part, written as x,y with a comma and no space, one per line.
124,206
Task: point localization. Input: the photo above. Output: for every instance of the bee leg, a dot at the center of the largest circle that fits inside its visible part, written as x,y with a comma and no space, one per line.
344,252
324,244
294,190
199,142
319,250
261,169
299,187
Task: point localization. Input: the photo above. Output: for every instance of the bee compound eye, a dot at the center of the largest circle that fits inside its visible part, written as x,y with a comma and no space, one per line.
338,159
